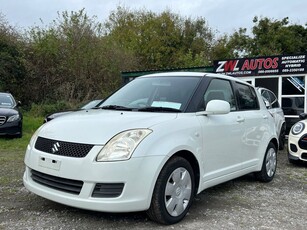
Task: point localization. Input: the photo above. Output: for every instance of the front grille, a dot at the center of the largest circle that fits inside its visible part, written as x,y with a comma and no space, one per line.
108,190
58,183
303,142
2,120
62,148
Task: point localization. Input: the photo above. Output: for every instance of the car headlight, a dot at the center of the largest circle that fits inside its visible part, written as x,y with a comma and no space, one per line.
34,137
297,128
13,118
121,146
52,116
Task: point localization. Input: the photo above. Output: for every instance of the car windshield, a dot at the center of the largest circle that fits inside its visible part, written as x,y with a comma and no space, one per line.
91,104
6,101
154,94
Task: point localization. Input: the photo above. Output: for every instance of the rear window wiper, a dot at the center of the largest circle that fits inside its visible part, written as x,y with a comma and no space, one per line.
115,107
159,109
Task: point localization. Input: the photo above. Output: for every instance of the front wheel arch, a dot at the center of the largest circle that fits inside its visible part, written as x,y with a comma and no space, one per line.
194,163
176,171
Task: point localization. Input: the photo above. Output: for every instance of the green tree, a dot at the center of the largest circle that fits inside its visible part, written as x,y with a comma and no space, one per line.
71,60
160,40
12,70
273,37
269,37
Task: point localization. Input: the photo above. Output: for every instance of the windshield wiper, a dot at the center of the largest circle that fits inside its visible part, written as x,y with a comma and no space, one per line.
115,107
159,109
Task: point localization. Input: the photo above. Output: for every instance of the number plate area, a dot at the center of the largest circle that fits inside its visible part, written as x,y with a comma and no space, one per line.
49,163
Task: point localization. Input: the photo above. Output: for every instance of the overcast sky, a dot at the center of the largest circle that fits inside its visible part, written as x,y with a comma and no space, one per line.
225,16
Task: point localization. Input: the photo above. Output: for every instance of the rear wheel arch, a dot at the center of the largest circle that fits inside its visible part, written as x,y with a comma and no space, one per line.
269,163
275,142
282,136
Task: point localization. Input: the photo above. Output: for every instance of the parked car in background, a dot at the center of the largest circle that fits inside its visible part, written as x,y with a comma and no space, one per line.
153,145
10,116
297,141
293,106
88,105
273,106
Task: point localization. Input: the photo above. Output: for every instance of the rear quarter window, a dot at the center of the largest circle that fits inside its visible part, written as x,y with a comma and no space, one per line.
273,100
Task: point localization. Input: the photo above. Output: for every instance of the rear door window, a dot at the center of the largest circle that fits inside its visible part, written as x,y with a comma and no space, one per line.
247,99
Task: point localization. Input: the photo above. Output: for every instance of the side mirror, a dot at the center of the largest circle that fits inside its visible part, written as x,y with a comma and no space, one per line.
18,103
216,107
267,103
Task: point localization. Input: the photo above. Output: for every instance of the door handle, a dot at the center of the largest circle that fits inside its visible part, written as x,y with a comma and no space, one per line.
240,119
265,116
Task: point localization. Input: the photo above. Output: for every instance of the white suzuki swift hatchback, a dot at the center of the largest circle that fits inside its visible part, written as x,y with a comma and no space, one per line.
153,145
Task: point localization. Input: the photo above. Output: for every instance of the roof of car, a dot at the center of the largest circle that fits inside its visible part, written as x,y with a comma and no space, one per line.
262,88
193,74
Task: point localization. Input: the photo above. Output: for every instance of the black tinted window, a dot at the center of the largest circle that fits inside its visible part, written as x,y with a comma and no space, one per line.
247,98
6,101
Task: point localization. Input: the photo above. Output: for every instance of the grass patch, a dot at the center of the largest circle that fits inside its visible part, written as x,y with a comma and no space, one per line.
12,152
30,125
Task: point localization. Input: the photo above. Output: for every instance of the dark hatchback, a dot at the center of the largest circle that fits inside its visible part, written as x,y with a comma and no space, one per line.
10,116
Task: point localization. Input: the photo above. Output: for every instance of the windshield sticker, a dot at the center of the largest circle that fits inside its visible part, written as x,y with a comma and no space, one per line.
166,104
7,104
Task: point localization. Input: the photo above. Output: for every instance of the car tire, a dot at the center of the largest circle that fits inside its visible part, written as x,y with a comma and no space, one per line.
173,193
269,165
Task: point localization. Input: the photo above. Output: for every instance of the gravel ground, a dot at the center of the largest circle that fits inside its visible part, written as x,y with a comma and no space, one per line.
239,204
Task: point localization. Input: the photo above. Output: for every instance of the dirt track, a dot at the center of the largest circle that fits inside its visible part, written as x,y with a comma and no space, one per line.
239,204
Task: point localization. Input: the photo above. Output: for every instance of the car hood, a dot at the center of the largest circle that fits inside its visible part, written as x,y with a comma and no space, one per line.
8,111
57,114
99,126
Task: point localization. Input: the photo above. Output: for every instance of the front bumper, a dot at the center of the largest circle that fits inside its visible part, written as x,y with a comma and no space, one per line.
138,176
11,128
295,152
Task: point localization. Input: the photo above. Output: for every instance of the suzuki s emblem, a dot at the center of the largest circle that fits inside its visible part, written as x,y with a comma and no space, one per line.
55,147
